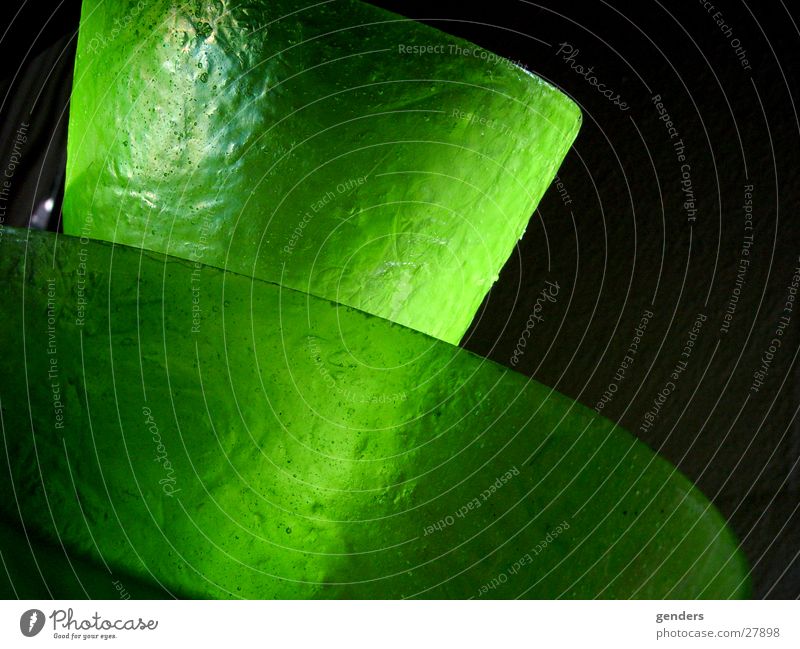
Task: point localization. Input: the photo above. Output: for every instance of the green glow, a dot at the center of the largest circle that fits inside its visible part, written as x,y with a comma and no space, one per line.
317,149
311,447
214,435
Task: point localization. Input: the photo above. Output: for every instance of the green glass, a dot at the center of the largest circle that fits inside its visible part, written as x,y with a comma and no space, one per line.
220,436
334,148
34,568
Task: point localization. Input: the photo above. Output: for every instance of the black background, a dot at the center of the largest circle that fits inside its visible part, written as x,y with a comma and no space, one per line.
623,244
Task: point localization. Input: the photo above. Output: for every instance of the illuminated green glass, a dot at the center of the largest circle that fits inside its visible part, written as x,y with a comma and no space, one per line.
334,148
227,437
